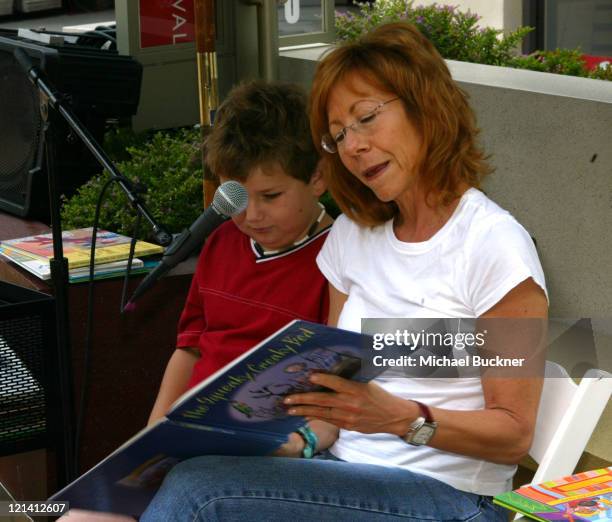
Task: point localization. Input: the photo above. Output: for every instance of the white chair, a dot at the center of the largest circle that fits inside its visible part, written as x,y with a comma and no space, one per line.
566,419
567,416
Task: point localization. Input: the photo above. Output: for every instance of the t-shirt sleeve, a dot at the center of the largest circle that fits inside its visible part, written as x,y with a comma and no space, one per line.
331,257
501,256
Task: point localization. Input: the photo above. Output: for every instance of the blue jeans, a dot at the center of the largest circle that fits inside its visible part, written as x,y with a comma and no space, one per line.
270,489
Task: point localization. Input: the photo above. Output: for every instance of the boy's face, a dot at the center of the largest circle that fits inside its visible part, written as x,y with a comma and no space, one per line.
281,209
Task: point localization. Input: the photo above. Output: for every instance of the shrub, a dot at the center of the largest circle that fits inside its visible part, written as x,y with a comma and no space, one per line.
456,34
602,72
561,61
164,165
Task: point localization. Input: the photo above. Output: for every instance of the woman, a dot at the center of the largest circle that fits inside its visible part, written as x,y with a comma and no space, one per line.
417,240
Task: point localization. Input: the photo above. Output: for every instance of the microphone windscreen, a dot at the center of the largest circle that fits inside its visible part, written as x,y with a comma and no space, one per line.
230,198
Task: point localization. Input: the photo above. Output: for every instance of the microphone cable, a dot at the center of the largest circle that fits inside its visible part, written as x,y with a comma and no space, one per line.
128,269
87,348
88,333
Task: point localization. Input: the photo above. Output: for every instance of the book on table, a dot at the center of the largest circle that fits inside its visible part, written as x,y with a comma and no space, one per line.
33,254
583,496
237,411
81,275
41,268
110,246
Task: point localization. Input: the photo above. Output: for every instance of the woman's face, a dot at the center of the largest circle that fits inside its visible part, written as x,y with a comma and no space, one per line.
383,153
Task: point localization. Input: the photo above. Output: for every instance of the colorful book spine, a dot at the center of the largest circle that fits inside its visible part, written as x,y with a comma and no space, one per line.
583,496
39,266
110,247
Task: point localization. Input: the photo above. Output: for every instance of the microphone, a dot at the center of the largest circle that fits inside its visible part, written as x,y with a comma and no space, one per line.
229,199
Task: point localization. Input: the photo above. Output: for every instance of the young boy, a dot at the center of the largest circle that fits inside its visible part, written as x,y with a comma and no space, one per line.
257,271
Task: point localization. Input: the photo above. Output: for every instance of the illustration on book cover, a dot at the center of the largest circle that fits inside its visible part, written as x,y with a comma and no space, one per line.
262,399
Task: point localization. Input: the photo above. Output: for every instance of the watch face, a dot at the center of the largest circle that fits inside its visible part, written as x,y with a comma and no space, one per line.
423,434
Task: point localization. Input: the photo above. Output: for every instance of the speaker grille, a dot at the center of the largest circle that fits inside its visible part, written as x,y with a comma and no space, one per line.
19,132
22,395
96,84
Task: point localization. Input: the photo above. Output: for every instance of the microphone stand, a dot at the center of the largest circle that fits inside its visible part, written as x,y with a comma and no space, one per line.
59,264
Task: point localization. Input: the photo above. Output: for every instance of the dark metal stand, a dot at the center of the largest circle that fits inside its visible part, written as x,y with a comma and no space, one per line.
59,264
59,277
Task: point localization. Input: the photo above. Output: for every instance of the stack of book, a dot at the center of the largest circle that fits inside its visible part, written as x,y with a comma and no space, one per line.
112,250
583,496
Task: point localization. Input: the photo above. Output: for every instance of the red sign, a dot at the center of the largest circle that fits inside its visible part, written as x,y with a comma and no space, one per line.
592,62
166,22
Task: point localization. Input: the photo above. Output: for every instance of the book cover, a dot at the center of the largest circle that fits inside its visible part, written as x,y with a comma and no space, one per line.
236,411
143,267
583,496
40,267
110,246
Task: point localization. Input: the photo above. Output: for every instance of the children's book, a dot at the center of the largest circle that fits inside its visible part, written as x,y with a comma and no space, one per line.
238,410
583,496
41,268
110,247
81,275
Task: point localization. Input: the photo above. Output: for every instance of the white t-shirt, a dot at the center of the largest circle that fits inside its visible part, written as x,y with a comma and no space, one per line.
470,264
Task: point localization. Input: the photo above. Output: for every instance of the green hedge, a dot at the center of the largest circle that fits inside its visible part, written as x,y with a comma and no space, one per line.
457,36
164,164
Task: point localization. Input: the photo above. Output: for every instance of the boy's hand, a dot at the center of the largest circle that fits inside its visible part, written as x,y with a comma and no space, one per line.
292,448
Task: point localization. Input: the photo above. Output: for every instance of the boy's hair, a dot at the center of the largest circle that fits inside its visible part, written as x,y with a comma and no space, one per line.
260,124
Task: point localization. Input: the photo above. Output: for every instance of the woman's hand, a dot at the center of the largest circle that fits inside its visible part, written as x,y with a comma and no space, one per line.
354,406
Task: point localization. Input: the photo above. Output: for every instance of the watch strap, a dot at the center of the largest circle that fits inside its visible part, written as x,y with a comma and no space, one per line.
424,411
422,428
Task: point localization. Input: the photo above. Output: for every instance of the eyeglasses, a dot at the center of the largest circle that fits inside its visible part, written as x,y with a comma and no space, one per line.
364,124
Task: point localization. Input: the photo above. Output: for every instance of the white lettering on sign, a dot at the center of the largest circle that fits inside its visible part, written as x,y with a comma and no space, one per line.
292,11
179,21
177,5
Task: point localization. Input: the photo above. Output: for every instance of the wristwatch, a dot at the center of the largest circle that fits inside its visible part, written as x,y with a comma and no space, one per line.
422,429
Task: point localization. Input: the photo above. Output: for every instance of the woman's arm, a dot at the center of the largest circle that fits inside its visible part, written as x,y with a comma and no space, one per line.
501,432
177,375
336,303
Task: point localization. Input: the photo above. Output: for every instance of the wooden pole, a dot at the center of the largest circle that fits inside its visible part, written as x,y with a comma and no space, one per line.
207,80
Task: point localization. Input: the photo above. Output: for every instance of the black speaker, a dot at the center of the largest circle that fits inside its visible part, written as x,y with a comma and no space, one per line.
98,85
28,369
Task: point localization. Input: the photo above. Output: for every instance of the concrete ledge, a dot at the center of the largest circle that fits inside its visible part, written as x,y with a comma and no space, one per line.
531,81
478,74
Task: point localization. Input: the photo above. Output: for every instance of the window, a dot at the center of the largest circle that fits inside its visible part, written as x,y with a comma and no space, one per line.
305,21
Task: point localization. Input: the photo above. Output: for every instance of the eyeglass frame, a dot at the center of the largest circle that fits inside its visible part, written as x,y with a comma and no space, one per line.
353,126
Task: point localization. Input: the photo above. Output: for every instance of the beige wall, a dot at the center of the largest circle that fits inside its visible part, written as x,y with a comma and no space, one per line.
501,14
